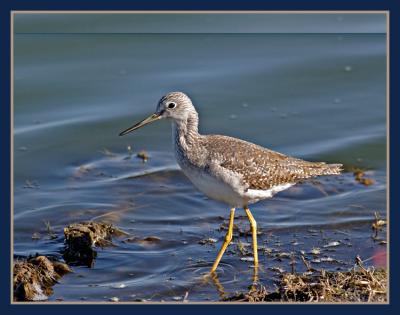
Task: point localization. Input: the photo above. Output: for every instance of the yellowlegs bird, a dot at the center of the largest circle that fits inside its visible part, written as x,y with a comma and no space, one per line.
227,169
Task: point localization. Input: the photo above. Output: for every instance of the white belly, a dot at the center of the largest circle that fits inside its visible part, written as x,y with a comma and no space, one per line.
215,189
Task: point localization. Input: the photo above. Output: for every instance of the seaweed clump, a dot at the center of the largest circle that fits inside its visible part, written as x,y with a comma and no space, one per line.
80,238
34,277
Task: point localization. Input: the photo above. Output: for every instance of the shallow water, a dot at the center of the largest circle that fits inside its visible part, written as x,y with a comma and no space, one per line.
314,96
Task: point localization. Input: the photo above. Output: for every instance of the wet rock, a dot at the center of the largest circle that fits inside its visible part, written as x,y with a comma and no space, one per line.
34,277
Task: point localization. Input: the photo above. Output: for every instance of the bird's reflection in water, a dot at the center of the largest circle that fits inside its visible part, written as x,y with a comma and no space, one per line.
214,280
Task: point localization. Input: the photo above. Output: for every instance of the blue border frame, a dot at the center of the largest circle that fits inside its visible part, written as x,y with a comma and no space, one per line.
8,6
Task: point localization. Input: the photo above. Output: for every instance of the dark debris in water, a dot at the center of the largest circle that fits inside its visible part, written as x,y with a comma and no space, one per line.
34,277
359,175
143,155
81,237
148,240
208,241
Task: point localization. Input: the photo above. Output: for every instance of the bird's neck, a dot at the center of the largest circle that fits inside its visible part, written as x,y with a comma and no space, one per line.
185,132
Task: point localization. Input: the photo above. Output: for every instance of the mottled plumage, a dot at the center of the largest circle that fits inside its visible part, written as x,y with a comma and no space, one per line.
262,168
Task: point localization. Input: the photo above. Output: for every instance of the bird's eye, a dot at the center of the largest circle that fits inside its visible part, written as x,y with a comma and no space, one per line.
171,105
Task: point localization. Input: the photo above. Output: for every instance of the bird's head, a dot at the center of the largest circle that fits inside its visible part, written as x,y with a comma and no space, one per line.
174,105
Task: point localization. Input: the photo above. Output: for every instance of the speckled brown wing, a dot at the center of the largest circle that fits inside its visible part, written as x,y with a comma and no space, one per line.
261,168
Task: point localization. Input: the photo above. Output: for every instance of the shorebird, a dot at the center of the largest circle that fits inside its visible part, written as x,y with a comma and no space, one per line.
230,170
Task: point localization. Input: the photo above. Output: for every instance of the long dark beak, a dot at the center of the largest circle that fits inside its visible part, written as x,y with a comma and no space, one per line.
146,121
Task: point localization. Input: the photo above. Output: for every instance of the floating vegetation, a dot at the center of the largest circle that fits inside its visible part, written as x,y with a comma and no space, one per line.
359,176
34,277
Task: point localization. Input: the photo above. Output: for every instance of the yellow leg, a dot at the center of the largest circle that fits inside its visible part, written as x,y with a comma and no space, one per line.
253,225
228,238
